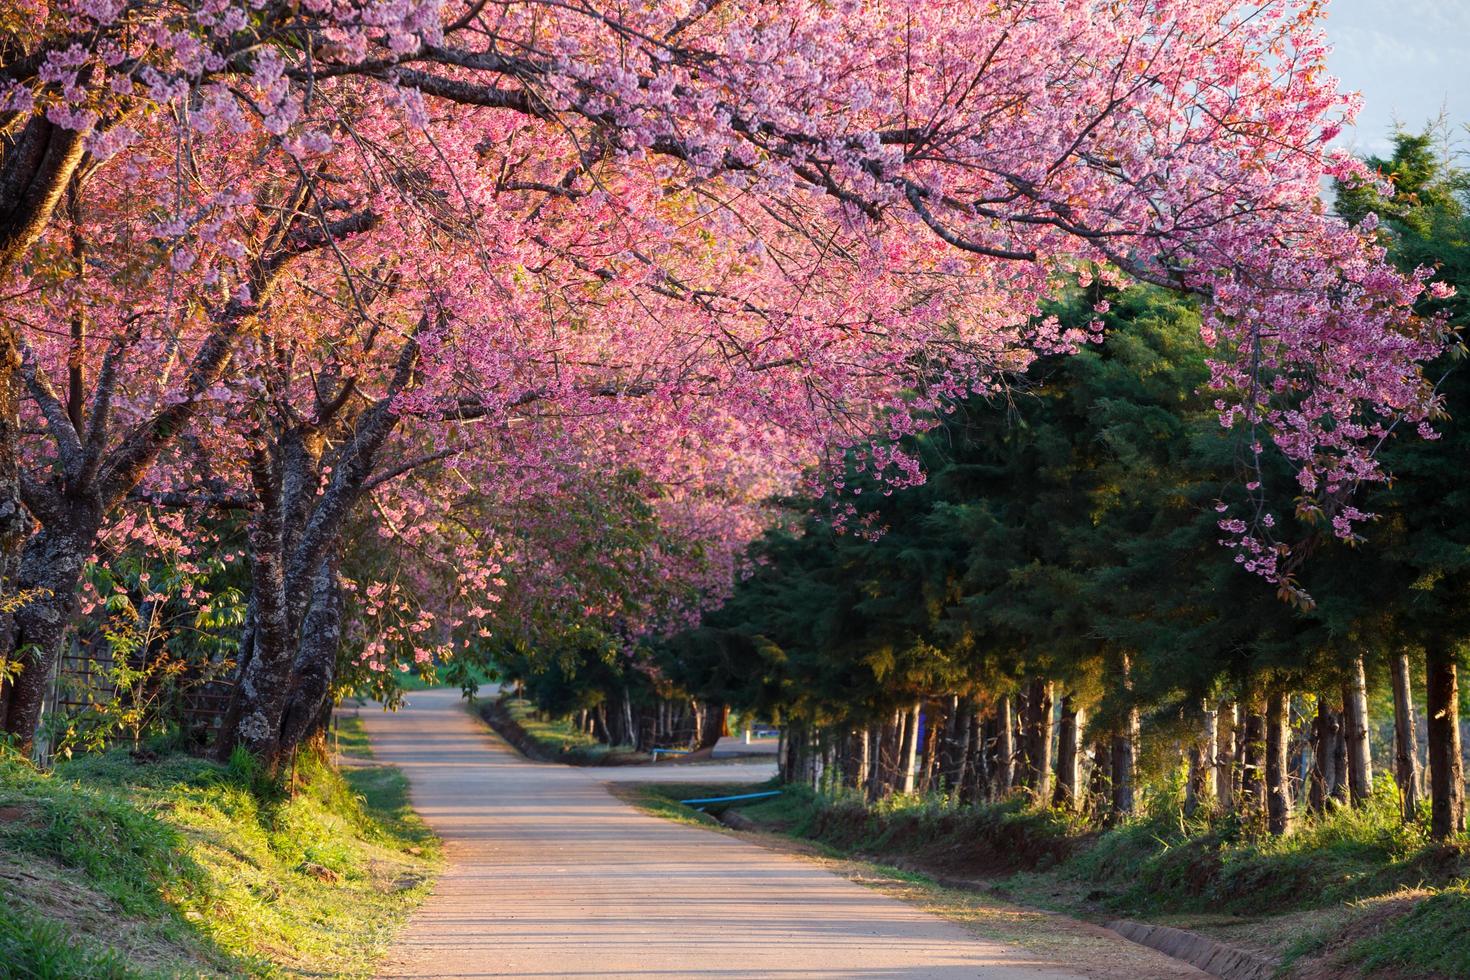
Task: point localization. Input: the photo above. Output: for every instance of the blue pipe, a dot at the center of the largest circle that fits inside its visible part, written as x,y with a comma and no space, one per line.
732,799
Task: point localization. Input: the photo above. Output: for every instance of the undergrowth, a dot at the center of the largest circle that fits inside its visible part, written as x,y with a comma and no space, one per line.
124,865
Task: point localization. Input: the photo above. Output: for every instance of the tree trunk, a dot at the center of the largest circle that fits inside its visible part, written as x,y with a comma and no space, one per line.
1199,790
1446,764
712,724
1339,759
1324,739
1225,755
1406,739
1069,756
977,772
955,761
860,753
1252,781
316,663
49,572
1355,731
630,730
37,162
910,758
1124,766
875,764
1038,738
1005,748
14,523
930,748
1278,792
1100,784
1125,750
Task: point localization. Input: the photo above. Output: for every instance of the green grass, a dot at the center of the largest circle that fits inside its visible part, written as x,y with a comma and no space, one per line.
34,946
180,866
1433,937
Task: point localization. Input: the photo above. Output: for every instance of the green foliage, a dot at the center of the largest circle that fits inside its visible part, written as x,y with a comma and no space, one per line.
1060,527
1410,586
166,628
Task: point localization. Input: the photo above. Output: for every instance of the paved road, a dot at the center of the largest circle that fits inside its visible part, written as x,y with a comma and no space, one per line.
733,746
550,876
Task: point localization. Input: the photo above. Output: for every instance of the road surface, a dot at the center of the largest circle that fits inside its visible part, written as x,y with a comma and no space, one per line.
549,876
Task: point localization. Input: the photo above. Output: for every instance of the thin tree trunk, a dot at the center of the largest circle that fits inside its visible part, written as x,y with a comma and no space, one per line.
1069,756
1005,748
1125,751
1100,786
1355,711
1225,755
975,775
1406,741
1199,790
1339,759
1324,736
911,747
861,751
630,731
1278,792
1446,764
1038,738
875,766
930,750
1252,781
1124,766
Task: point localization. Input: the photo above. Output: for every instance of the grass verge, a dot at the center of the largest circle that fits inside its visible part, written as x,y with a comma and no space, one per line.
123,866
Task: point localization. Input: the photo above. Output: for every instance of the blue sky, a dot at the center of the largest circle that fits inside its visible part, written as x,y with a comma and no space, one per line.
1409,58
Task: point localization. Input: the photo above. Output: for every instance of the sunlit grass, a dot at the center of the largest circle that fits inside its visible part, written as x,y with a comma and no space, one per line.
184,867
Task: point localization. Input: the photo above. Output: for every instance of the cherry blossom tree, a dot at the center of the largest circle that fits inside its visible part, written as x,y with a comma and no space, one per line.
333,239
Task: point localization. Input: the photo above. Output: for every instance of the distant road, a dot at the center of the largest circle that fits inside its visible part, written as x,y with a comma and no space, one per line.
735,745
550,876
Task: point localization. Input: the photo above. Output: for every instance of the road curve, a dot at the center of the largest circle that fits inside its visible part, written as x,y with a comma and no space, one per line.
549,876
